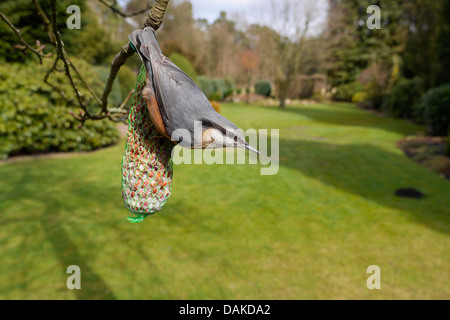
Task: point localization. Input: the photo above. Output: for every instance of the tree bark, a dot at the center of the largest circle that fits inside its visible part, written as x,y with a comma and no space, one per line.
282,100
283,88
118,61
156,15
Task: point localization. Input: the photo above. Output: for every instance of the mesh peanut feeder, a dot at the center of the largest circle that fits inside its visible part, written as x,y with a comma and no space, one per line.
146,168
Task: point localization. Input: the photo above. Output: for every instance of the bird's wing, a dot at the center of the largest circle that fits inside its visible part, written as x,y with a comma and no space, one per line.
176,92
179,98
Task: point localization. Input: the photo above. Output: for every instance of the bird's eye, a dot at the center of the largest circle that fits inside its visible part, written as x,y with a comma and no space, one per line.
235,139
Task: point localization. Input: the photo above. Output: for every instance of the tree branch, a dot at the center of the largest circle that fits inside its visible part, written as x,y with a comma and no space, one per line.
37,51
156,15
118,61
84,81
154,20
46,81
45,20
62,55
123,14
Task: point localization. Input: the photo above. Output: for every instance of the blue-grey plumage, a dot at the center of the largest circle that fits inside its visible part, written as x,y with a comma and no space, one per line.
180,102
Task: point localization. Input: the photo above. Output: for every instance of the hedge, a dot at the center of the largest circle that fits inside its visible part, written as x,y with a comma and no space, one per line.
35,119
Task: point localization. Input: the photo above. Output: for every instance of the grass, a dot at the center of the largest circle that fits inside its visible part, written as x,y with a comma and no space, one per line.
227,232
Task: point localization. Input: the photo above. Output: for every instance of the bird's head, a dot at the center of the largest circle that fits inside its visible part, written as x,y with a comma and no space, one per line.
223,134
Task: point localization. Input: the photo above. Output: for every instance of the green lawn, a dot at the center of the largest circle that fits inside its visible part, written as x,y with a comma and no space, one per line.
229,233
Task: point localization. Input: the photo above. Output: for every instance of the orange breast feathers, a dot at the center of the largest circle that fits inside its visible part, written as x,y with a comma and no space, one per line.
153,109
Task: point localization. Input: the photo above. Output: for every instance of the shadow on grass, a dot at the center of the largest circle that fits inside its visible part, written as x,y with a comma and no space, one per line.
374,174
52,221
363,170
93,286
82,194
345,115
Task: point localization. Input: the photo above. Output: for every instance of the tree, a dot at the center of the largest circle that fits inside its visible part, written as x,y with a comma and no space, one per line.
420,54
224,48
352,47
291,19
443,46
262,39
412,31
22,14
249,61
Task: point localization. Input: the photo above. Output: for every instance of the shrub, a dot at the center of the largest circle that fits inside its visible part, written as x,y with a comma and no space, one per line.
115,97
301,88
216,105
228,93
263,88
216,96
375,80
184,64
206,85
447,149
318,96
404,99
436,106
22,14
34,118
346,92
359,97
229,88
306,90
213,88
219,88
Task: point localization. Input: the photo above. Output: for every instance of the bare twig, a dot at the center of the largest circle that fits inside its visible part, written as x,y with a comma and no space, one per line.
115,114
61,55
84,81
37,51
123,14
124,103
120,114
154,20
55,88
58,43
118,61
45,20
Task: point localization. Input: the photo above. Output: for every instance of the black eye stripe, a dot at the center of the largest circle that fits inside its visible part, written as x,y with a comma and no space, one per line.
222,130
209,124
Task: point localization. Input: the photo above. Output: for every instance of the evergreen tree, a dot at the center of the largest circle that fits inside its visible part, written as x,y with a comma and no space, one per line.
23,15
443,44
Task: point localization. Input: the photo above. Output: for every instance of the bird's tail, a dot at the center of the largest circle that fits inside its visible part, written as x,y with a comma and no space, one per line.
145,43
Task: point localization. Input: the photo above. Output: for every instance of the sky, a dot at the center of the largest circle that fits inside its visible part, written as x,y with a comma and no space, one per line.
250,9
210,9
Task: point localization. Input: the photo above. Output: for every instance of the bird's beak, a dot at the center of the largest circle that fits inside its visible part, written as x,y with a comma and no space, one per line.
250,148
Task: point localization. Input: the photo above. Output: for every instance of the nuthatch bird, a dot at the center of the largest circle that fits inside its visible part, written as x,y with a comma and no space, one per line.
175,101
